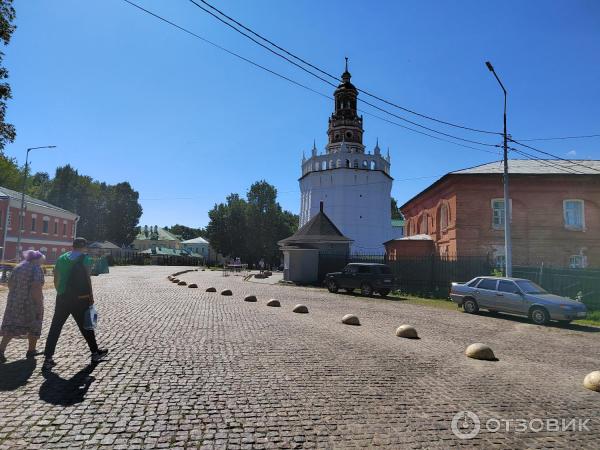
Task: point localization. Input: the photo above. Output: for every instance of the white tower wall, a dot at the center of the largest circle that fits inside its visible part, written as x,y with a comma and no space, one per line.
356,200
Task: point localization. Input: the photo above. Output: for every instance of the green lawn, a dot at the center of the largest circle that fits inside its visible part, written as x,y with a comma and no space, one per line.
593,317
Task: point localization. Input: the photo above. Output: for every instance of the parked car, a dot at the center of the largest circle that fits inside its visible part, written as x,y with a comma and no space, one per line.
515,296
368,277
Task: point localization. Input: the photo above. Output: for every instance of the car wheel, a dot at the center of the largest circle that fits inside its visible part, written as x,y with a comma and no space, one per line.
366,290
539,316
470,306
384,292
332,286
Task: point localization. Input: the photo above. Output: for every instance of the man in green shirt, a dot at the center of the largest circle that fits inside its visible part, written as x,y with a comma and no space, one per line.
71,302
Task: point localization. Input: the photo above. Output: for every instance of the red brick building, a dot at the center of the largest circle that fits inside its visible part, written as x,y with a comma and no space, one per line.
555,212
46,227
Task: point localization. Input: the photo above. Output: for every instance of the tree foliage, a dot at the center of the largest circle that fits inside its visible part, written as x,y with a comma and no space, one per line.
7,17
250,228
396,213
107,212
186,233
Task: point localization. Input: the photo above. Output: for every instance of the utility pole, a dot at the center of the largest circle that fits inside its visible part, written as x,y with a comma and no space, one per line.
21,219
507,206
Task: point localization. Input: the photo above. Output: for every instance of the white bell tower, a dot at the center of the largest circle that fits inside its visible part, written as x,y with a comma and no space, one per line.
354,186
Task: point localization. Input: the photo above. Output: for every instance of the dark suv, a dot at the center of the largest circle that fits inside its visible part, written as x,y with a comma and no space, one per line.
368,277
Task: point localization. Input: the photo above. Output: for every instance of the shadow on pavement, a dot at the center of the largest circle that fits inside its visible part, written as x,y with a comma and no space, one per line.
522,319
15,374
60,391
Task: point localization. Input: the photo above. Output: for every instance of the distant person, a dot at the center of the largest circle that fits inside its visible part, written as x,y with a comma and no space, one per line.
24,311
73,297
261,265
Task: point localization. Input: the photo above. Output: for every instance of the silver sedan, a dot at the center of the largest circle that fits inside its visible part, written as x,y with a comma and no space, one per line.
515,296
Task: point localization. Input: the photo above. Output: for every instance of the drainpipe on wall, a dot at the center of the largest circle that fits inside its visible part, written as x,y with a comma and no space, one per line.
5,229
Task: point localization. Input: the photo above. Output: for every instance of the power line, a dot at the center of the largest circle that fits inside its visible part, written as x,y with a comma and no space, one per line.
226,50
317,68
561,138
313,90
555,156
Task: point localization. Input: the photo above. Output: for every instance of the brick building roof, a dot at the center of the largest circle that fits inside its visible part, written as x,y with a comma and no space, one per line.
9,193
536,167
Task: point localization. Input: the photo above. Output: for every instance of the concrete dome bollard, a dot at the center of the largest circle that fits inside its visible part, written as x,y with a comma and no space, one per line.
182,283
350,319
226,292
211,289
300,309
407,331
274,303
480,351
175,280
193,286
592,381
250,298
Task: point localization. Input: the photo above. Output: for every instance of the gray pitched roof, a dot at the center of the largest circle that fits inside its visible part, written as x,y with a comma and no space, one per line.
317,230
536,167
5,192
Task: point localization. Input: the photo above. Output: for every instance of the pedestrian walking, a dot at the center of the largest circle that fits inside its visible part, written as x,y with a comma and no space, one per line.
24,311
73,297
261,265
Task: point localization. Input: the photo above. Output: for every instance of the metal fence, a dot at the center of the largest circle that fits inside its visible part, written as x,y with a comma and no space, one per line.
128,257
428,276
583,284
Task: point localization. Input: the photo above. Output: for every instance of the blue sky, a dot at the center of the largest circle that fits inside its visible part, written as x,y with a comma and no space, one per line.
126,97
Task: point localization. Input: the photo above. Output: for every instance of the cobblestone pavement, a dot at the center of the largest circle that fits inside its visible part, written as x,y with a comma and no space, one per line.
200,370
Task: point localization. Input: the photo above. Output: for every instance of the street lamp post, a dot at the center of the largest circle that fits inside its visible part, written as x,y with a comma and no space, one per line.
21,220
507,206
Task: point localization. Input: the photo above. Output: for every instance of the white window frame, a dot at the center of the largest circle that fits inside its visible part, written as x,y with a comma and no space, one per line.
577,261
574,227
501,225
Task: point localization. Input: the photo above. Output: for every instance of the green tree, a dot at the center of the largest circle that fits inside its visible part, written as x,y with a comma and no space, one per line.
251,229
11,176
124,212
396,213
227,229
7,17
185,232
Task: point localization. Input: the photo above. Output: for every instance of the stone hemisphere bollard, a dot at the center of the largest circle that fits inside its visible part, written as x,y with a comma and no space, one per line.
175,280
193,286
226,292
300,309
250,298
350,319
182,283
480,351
211,289
592,381
274,303
407,331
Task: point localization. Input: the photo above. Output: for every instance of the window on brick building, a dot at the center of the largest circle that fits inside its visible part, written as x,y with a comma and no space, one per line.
45,225
424,229
498,212
55,227
64,229
444,216
9,220
577,262
33,224
573,211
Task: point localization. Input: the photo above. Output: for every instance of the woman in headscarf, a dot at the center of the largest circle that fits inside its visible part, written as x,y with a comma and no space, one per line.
24,307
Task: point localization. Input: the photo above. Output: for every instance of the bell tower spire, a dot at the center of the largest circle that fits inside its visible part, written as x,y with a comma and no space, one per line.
345,124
